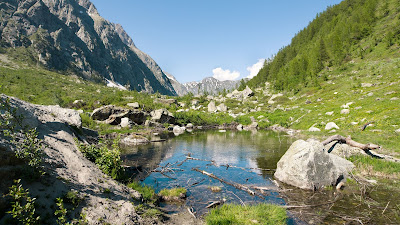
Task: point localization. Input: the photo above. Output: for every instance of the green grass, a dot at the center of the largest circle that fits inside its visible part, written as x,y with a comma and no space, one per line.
378,165
148,193
174,192
257,214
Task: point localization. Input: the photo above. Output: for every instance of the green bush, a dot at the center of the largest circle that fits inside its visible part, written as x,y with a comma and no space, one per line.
107,159
23,206
174,192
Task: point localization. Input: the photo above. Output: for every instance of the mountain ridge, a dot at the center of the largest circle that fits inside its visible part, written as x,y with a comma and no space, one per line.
71,36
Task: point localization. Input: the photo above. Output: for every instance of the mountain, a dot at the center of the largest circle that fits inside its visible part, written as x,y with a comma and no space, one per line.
70,36
208,85
367,30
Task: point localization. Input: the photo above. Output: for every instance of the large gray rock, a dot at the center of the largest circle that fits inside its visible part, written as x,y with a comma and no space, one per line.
212,107
162,116
165,101
246,93
331,125
308,165
138,116
222,108
134,105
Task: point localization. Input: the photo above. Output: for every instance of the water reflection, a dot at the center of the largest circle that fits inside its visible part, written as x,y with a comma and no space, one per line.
253,152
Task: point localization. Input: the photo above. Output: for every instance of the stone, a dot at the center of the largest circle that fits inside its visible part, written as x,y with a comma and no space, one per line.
138,116
126,122
353,123
102,113
178,130
345,111
398,131
150,123
115,119
370,94
308,165
134,105
252,126
314,129
222,108
162,116
329,113
331,125
189,126
366,85
239,127
78,103
271,100
247,92
134,140
211,107
165,101
195,102
394,99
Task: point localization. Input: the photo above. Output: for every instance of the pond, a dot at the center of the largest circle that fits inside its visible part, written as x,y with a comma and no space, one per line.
247,158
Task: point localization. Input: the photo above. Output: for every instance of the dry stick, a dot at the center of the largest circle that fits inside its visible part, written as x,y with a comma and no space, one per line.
180,164
236,185
385,208
365,147
241,201
244,168
307,206
191,211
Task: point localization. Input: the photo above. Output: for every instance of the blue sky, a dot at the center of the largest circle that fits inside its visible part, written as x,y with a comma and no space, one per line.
194,39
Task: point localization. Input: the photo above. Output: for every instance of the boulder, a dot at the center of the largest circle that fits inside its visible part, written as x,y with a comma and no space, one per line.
308,165
162,116
222,108
397,131
252,126
138,116
189,126
212,107
78,103
115,119
247,92
102,113
195,102
149,123
271,100
178,130
134,140
314,129
126,122
329,113
331,125
134,105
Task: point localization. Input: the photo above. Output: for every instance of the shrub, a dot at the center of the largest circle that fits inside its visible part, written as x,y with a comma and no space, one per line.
174,192
23,206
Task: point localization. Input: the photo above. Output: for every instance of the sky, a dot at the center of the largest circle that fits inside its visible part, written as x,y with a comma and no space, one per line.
226,39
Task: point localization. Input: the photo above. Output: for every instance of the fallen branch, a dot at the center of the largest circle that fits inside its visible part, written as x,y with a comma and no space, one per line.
348,141
236,185
192,212
216,203
307,206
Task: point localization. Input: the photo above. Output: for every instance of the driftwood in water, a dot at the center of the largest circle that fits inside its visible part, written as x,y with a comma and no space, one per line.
216,203
235,185
350,142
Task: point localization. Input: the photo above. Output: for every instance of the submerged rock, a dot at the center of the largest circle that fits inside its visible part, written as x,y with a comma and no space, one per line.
308,165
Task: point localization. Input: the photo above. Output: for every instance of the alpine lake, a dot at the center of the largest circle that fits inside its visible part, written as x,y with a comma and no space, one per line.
249,158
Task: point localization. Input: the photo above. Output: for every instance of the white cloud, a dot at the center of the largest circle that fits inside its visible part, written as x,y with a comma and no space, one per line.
220,74
254,69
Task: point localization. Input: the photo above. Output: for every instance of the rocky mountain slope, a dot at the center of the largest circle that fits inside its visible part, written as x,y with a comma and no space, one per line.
66,170
208,85
71,36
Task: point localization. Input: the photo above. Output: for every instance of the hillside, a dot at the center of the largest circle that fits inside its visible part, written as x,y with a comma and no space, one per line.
72,38
351,31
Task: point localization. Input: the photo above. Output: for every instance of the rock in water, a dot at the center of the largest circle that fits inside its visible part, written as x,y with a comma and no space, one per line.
308,165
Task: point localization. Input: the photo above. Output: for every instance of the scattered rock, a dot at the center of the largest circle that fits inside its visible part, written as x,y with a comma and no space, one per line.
134,140
345,111
222,108
150,123
398,131
115,119
195,102
394,99
308,102
247,92
331,125
314,129
134,105
239,127
358,107
178,130
252,126
211,107
314,167
126,122
78,103
370,94
271,100
165,101
102,113
364,85
329,113
189,126
162,116
390,93
138,116
353,123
